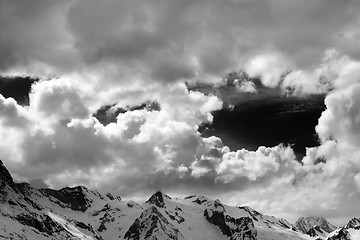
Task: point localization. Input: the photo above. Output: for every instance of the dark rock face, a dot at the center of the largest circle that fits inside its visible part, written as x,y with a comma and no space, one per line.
110,196
218,218
89,228
244,228
313,232
255,215
201,199
42,223
304,224
175,216
191,196
343,233
150,224
107,218
4,174
74,197
158,199
24,188
354,223
235,228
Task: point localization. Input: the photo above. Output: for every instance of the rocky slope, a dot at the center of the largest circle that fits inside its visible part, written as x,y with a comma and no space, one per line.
80,213
314,226
351,231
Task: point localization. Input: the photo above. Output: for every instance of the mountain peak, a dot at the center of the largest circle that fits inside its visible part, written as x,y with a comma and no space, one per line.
158,199
76,212
354,223
4,173
305,224
348,232
153,225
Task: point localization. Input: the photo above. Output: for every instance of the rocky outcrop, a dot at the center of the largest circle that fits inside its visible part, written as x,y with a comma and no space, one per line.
112,198
158,199
344,233
201,199
75,197
354,224
107,218
42,223
340,234
255,215
152,225
4,174
304,224
315,231
235,228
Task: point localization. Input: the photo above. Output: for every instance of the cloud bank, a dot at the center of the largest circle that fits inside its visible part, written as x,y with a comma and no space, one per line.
129,52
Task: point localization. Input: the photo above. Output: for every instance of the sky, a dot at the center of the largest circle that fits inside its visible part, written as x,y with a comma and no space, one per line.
265,117
128,61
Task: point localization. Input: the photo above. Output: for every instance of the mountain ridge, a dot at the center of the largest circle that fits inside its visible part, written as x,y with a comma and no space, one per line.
81,213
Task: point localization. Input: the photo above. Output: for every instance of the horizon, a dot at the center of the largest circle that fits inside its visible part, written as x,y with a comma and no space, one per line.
143,199
253,102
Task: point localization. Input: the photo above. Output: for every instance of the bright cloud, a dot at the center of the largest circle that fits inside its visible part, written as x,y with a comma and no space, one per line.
125,53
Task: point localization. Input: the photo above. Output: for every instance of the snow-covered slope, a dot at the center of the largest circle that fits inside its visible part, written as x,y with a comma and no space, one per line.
80,213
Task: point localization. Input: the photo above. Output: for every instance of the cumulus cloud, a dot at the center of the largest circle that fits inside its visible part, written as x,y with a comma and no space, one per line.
125,53
256,164
341,120
268,67
327,184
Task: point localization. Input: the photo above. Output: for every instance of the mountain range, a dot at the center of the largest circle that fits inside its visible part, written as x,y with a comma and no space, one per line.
81,213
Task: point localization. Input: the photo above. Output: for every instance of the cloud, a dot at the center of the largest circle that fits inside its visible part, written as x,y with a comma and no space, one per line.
268,67
57,138
33,35
130,52
13,115
341,120
51,98
327,184
174,40
256,164
245,86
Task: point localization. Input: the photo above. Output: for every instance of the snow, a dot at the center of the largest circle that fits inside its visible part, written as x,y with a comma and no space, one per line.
69,227
355,234
109,219
117,216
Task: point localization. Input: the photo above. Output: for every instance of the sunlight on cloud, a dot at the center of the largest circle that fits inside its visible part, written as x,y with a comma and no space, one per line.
126,53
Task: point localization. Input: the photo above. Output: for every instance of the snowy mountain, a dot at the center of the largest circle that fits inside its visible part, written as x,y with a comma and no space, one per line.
314,226
80,213
351,231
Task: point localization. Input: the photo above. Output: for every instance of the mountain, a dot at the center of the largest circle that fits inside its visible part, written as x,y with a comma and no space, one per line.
351,231
81,213
314,226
